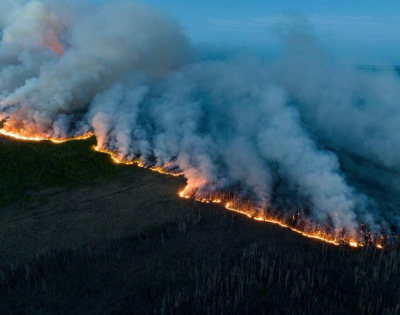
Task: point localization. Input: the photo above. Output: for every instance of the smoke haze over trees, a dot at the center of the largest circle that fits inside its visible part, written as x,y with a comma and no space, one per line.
301,131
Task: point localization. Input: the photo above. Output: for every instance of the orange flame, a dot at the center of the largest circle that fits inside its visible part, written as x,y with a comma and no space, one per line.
314,234
320,237
53,42
187,192
139,163
18,136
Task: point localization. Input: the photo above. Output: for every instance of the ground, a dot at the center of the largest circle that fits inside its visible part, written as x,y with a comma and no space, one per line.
119,240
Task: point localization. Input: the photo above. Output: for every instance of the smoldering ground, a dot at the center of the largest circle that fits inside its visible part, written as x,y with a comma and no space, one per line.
302,131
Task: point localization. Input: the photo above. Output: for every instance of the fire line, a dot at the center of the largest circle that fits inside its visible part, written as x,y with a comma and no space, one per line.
185,192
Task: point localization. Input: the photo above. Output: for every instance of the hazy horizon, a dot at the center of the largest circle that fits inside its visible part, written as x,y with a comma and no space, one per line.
360,33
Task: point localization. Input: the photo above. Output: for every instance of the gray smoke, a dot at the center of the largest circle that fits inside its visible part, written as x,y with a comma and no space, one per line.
302,131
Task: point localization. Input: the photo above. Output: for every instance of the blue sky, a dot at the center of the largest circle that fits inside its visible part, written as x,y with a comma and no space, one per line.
361,31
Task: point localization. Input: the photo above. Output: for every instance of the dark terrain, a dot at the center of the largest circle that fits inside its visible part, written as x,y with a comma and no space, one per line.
81,235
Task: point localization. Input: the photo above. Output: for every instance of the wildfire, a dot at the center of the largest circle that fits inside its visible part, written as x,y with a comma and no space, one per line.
113,156
139,163
188,192
353,243
183,193
314,233
53,42
280,223
36,138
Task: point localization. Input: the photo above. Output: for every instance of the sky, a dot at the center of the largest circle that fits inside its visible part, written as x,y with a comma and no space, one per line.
366,32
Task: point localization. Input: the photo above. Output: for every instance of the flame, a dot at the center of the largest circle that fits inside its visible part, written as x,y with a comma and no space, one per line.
320,237
36,138
353,243
53,42
113,156
139,163
183,193
190,192
314,233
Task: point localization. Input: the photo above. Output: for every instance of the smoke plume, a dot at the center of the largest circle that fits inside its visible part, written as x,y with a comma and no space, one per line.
301,132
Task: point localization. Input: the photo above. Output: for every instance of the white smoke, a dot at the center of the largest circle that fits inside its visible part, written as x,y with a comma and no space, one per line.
101,47
288,133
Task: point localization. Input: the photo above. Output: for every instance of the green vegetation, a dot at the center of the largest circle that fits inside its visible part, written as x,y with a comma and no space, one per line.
31,166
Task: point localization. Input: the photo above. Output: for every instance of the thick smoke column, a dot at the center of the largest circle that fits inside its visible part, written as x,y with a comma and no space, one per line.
51,67
301,132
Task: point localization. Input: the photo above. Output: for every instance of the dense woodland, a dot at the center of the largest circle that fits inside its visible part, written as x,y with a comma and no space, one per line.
210,261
